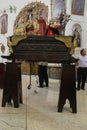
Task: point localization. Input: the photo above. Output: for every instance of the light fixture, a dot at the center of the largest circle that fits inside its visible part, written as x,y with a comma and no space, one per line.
11,9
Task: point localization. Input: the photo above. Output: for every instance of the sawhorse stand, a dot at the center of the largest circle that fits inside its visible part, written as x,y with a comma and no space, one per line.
68,88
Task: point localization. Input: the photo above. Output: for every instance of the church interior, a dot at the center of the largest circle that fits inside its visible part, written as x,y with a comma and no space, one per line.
52,31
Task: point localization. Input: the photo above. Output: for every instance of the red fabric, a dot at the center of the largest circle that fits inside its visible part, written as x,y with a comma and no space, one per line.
50,33
42,26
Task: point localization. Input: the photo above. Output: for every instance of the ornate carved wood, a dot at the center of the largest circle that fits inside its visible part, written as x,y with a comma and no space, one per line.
41,48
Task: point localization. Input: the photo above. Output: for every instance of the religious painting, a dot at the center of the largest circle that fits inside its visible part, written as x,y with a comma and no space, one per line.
0,25
58,7
4,23
78,7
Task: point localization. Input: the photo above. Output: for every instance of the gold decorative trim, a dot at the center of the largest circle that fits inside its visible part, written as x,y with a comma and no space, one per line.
13,40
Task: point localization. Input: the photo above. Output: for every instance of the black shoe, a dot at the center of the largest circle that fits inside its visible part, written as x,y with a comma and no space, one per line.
77,88
41,86
83,88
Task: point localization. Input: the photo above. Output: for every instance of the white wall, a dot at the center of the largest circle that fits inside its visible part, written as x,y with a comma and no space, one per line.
76,19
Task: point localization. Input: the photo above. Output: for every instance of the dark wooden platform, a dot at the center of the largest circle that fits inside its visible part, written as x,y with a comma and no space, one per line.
44,48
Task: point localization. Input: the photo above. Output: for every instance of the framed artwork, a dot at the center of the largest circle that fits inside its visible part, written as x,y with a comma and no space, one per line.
4,23
0,25
78,7
57,8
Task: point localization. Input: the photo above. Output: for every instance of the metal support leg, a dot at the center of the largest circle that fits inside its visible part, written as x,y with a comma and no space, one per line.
29,86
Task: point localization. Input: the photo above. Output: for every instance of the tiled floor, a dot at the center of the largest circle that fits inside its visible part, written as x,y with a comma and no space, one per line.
39,111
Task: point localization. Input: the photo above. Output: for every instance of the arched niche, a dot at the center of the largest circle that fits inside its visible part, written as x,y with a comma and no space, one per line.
77,34
28,16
